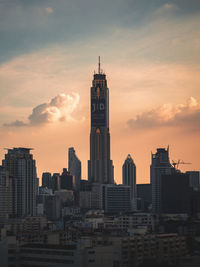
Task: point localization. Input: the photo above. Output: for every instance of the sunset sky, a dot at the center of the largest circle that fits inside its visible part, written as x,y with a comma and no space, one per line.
150,52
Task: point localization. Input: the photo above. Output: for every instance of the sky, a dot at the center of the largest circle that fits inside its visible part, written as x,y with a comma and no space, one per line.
150,52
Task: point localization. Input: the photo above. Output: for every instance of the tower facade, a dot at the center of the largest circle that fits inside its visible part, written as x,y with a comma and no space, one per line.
74,167
20,165
100,166
129,175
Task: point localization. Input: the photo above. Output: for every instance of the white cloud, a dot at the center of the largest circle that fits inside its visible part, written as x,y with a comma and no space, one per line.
181,115
60,108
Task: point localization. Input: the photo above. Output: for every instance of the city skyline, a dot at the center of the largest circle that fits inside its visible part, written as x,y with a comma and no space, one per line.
150,55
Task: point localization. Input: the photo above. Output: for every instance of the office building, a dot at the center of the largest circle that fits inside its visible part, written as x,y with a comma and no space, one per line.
21,166
115,198
160,165
74,167
129,175
100,166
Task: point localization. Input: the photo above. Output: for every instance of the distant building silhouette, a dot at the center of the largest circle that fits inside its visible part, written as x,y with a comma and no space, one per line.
160,165
21,166
100,166
66,180
74,167
129,175
144,192
46,179
55,179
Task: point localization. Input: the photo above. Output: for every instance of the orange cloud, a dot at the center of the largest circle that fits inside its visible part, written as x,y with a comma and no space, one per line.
181,115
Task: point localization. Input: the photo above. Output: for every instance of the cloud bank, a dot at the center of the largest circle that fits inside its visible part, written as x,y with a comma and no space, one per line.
181,115
60,108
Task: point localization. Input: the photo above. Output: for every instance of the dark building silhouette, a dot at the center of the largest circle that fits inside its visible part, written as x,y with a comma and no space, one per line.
175,193
193,178
74,167
160,165
20,165
100,166
66,180
55,180
46,180
144,192
8,195
85,185
129,175
195,201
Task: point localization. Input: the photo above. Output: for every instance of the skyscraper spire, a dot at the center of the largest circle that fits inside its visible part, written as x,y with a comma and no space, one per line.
99,65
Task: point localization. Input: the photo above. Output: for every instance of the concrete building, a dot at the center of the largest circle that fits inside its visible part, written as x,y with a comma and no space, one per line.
129,175
51,255
100,166
21,166
155,249
160,165
74,167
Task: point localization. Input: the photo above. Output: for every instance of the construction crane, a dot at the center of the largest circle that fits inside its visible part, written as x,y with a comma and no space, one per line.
176,164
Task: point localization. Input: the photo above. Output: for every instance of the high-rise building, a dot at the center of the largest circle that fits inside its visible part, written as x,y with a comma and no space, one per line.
74,167
8,206
100,166
129,175
21,166
46,180
160,165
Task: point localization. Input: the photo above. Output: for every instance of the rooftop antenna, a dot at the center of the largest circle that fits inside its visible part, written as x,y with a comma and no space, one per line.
99,64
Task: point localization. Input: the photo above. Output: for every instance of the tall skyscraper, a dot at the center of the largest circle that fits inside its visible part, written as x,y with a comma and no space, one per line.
129,175
74,167
100,166
21,166
160,165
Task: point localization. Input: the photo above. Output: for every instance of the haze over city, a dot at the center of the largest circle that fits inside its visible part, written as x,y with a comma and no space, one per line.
150,54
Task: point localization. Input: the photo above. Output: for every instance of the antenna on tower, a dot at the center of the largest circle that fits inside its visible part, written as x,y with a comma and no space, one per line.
99,65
